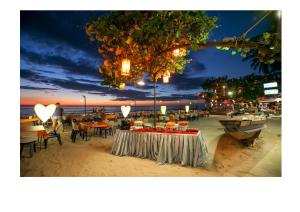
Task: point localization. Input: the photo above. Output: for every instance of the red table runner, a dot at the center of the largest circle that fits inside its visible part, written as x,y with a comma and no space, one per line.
194,132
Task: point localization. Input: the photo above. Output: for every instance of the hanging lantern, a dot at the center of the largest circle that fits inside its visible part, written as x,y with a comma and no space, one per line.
122,86
166,77
176,52
125,67
163,109
187,108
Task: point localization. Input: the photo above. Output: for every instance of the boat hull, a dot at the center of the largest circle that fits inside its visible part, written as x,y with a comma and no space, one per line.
243,130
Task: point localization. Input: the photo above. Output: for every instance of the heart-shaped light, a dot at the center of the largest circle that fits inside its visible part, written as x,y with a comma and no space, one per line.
163,109
125,110
187,108
44,113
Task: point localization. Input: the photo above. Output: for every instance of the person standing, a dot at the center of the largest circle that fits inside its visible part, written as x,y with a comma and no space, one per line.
57,118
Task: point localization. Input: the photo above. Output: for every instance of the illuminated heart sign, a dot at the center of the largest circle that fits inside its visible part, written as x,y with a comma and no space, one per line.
44,113
187,108
163,109
125,110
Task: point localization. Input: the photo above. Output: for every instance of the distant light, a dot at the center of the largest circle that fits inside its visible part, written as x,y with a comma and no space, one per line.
278,14
141,83
271,91
270,85
230,93
81,100
224,86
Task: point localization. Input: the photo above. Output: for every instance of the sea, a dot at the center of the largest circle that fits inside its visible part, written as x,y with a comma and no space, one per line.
29,110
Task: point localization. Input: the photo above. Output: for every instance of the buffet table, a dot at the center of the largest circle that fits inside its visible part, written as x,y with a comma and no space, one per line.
184,148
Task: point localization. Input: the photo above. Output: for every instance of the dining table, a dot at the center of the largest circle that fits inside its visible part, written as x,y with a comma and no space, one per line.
163,146
29,120
29,136
86,126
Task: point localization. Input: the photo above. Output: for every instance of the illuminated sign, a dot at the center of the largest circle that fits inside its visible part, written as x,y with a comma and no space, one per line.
270,85
271,91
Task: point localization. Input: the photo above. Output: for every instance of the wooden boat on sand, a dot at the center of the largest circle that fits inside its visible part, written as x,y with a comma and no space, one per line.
245,129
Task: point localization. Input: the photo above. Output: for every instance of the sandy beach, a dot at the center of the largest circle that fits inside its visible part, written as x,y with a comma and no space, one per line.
227,157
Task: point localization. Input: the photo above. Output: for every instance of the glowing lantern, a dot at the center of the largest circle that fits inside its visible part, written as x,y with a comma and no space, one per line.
187,108
125,67
44,113
176,52
166,77
122,86
125,110
163,109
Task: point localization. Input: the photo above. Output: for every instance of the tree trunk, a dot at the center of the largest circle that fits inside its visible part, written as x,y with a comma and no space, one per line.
154,107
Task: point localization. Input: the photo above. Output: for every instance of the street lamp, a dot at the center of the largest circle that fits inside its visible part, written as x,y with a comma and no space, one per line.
84,104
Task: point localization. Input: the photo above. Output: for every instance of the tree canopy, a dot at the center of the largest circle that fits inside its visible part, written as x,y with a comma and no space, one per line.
247,88
148,39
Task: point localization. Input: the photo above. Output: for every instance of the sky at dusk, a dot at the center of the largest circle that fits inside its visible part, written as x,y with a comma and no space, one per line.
59,63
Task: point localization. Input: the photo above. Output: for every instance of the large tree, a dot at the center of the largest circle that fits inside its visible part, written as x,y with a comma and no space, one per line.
148,39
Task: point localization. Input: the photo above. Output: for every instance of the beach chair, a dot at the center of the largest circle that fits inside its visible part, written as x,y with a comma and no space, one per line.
83,130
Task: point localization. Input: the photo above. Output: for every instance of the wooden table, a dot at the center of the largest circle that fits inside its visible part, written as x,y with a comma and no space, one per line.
33,120
109,116
85,126
29,136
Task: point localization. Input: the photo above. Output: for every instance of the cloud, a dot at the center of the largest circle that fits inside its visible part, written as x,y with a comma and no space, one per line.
78,68
74,85
36,88
63,27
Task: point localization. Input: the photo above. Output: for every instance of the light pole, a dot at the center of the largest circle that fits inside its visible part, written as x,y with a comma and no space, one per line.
84,104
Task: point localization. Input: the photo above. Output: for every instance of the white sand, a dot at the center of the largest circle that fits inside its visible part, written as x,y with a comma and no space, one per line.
227,157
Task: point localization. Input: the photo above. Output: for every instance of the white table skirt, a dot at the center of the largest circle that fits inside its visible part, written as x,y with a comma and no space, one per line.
162,147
